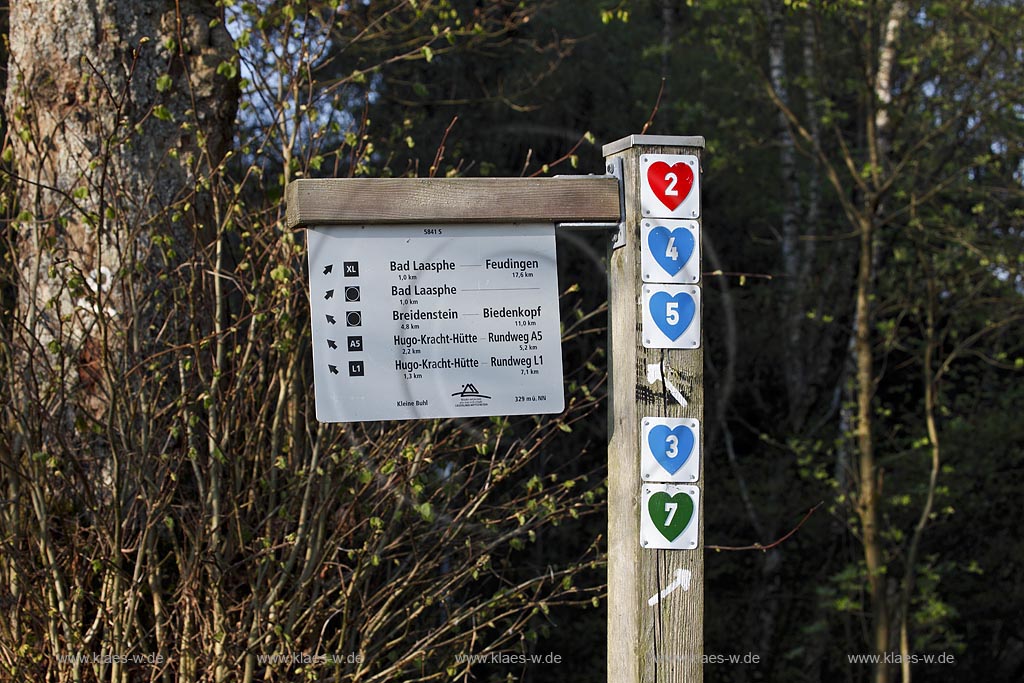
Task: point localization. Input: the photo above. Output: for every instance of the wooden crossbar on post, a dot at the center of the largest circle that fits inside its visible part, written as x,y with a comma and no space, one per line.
655,596
370,201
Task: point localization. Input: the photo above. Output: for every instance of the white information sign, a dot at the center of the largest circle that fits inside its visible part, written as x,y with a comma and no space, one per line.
670,186
671,316
670,251
669,449
414,321
669,516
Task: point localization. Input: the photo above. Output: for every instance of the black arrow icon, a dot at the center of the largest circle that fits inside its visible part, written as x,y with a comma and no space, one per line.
333,369
328,269
331,343
330,319
329,294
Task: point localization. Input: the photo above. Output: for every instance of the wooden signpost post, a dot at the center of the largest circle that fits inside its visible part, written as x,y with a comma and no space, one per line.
656,591
651,198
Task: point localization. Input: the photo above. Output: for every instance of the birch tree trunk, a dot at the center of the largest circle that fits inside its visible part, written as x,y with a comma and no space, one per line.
869,474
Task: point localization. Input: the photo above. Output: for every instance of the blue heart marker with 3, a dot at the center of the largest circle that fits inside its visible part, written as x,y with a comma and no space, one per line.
671,248
671,447
672,314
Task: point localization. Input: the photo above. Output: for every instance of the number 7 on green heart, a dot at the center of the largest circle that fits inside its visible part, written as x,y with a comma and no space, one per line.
669,516
670,508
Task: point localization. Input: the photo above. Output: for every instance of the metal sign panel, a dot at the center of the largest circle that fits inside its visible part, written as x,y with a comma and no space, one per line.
414,321
669,516
670,251
669,449
671,316
670,186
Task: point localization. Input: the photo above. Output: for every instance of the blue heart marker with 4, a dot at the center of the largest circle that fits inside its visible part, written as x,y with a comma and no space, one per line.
672,314
671,248
671,447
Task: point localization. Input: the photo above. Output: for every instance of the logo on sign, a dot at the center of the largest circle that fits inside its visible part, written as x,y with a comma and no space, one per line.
470,397
469,391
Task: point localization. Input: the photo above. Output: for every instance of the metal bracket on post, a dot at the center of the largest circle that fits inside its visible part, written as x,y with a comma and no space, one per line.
614,168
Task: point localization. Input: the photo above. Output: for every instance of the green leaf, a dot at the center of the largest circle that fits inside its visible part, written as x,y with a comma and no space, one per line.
426,511
227,69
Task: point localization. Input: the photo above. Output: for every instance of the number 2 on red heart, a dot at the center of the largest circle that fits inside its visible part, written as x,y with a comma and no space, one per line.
670,189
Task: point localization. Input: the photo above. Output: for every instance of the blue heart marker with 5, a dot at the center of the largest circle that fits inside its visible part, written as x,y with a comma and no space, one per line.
672,313
671,316
670,449
671,248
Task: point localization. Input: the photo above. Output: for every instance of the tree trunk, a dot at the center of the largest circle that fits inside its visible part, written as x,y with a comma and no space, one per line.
793,303
870,475
118,113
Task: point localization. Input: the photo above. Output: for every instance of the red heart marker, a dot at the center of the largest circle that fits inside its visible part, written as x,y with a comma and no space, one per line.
671,184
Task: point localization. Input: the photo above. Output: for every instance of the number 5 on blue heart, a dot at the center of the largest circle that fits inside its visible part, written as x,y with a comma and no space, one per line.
670,251
671,317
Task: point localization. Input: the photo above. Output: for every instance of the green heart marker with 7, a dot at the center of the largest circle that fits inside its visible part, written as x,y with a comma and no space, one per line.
669,517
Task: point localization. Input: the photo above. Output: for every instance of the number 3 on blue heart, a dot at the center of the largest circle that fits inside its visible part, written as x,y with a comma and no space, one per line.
669,449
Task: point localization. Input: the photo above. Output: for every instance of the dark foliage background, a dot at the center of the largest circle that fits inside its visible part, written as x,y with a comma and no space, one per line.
864,303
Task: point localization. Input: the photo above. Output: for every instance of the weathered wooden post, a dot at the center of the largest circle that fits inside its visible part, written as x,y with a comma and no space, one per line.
655,468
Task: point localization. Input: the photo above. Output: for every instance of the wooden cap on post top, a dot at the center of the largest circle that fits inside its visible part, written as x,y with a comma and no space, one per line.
362,201
652,141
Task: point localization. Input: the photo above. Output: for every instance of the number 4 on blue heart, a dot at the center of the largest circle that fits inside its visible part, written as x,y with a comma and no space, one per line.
671,248
670,251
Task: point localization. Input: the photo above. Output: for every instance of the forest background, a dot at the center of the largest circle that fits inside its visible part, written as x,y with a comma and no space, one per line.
167,492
